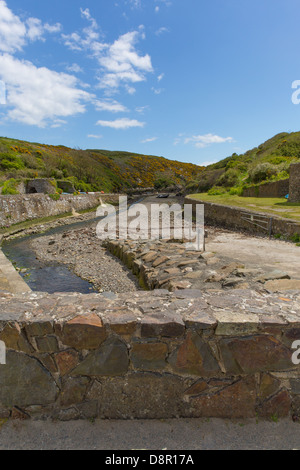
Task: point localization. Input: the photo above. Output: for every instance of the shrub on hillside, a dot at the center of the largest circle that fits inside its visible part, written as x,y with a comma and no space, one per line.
191,187
290,149
217,191
163,182
229,178
277,160
238,165
262,172
10,187
236,191
281,175
55,196
208,178
9,162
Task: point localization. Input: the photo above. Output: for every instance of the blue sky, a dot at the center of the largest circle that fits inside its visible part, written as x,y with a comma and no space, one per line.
191,80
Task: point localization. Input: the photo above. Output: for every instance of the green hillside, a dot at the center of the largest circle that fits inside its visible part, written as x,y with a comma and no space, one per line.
88,170
268,162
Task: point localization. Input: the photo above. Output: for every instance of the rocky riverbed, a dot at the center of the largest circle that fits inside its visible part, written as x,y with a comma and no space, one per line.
83,253
166,265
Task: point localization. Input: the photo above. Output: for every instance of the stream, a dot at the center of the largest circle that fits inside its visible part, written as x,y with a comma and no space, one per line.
48,277
42,276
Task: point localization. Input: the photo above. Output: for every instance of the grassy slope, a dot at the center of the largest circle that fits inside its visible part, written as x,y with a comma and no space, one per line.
99,169
279,152
276,206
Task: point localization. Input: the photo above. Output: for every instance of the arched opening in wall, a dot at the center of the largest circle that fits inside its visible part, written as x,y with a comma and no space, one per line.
32,191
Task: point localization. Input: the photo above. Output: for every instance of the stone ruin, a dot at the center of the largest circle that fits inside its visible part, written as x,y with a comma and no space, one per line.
43,185
48,186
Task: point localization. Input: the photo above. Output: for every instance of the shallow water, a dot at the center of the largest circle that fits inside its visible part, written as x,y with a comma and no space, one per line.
45,276
41,276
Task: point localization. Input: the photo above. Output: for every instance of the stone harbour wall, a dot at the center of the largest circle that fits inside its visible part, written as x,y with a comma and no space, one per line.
149,355
274,189
231,218
19,208
294,194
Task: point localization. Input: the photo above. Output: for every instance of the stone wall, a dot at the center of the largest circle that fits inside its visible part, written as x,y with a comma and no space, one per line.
66,186
15,209
275,189
294,183
231,218
141,191
149,355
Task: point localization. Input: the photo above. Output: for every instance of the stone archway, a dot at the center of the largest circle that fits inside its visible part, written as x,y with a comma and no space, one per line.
32,191
40,185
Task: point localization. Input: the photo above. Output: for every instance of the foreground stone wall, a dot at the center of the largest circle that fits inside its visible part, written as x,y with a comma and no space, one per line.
149,355
15,209
231,218
274,189
294,194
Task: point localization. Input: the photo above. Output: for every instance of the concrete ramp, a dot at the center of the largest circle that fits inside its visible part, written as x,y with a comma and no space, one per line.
10,279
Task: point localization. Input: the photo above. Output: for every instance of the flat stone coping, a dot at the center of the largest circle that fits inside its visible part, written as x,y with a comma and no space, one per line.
226,312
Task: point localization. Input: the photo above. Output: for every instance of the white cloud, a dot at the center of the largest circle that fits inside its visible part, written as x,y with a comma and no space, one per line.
43,97
123,123
211,162
14,34
12,30
141,109
74,68
151,139
123,63
88,39
160,77
156,9
58,123
119,62
130,89
38,96
54,28
157,91
135,3
110,105
202,141
93,136
35,29
162,30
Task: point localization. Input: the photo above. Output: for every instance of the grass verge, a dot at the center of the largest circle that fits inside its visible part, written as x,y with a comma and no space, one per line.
278,207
